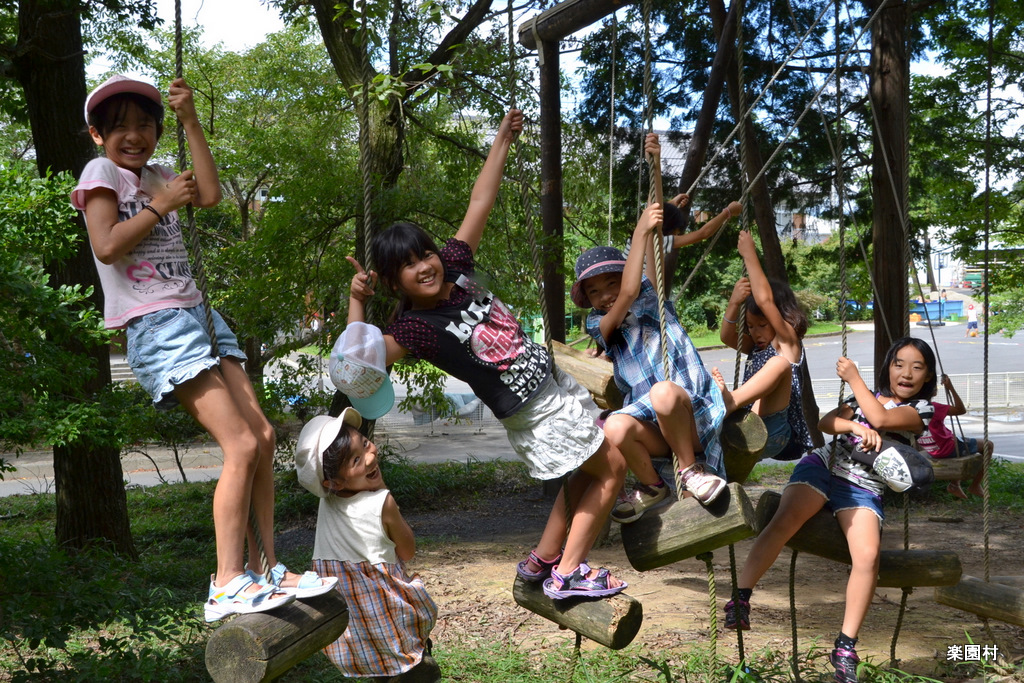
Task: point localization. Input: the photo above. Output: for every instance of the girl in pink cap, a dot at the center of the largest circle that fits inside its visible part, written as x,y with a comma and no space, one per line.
131,212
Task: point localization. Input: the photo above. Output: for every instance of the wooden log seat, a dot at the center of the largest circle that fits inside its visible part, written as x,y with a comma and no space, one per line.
264,645
594,374
744,438
957,469
821,536
686,529
993,600
613,621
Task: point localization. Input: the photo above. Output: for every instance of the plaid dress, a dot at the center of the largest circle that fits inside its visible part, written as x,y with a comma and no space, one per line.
635,350
390,613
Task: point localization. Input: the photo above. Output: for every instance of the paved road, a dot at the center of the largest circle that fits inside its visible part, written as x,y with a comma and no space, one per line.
484,439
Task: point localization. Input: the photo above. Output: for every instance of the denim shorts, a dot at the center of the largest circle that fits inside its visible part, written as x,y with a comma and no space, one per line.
171,346
967,446
839,493
779,432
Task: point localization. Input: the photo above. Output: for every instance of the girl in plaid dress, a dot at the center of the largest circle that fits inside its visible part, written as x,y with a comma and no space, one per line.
363,540
681,413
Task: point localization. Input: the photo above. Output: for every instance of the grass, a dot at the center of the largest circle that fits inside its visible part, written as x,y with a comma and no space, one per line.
93,616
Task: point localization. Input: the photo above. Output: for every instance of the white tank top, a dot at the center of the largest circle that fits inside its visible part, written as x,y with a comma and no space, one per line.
351,529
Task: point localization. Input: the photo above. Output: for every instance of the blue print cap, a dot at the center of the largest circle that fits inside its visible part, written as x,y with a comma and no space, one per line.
593,262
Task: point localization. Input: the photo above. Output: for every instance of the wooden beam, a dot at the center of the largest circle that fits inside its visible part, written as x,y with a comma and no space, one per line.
686,528
822,537
564,19
989,600
264,645
551,201
613,621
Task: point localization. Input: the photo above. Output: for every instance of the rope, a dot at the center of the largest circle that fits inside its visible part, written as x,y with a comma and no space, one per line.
198,270
363,112
713,600
794,659
611,124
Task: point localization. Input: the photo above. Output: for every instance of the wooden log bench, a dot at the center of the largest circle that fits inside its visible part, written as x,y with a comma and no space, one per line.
744,438
594,374
821,536
264,645
613,621
1001,600
957,469
686,529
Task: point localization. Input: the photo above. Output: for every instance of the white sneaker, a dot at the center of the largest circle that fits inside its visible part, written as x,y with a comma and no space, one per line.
705,487
232,598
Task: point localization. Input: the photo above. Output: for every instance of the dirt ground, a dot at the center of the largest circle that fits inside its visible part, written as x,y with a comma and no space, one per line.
467,559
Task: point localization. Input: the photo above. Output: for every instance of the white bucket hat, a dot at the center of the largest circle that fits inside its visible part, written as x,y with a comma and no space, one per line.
315,437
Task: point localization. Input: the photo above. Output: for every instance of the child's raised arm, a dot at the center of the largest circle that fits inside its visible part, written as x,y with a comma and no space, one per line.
360,292
485,190
708,229
632,272
180,99
398,530
789,341
729,331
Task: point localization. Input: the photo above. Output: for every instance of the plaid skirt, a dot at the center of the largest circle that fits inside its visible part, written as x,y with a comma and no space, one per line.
390,616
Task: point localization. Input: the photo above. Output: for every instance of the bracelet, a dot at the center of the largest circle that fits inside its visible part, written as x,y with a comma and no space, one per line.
149,207
731,322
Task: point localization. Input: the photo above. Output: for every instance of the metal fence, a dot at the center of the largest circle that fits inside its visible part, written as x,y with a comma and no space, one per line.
1005,390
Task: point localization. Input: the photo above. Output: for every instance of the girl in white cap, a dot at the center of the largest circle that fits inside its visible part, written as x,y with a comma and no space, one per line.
449,319
131,214
363,540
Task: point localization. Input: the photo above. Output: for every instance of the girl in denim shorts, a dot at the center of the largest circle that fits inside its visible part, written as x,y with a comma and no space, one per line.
131,214
851,490
772,379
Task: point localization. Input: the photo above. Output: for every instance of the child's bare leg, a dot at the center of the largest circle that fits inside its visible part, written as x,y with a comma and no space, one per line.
987,448
553,537
771,385
607,470
953,488
799,503
860,525
208,399
672,405
636,441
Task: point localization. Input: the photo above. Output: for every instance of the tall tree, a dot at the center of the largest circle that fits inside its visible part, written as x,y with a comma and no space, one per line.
48,63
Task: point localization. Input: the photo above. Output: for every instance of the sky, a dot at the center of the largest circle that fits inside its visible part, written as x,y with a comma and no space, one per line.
238,24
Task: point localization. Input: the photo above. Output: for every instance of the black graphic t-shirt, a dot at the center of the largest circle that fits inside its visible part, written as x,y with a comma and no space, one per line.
474,337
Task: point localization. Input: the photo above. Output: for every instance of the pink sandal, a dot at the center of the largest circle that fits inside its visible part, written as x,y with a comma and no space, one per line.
523,568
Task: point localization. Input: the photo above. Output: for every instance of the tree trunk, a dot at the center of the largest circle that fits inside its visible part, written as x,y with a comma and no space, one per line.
890,96
49,63
764,212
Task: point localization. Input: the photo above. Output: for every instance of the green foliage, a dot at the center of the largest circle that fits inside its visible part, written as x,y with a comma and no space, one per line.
39,398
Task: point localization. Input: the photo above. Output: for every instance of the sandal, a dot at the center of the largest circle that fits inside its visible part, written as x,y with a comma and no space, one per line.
523,568
310,584
576,584
233,598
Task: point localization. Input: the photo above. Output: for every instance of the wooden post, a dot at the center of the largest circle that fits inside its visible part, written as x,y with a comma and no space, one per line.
264,645
551,207
821,536
613,621
991,600
686,529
